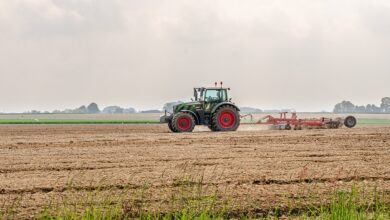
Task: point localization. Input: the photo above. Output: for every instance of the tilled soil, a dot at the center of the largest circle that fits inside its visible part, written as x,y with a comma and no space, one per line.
253,166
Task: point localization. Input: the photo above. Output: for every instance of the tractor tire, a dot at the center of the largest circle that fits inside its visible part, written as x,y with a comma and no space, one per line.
287,127
350,122
170,126
183,122
225,118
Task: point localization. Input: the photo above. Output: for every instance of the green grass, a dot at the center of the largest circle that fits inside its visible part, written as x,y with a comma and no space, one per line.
76,121
344,205
373,121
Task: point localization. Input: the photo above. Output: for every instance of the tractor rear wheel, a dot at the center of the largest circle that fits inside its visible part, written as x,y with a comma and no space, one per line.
225,118
183,122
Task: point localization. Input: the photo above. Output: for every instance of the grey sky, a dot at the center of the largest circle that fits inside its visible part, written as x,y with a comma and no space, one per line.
306,54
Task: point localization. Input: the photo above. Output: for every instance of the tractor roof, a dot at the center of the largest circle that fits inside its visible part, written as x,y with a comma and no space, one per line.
213,88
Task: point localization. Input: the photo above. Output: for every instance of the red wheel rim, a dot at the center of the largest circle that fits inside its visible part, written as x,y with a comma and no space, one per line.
227,119
184,123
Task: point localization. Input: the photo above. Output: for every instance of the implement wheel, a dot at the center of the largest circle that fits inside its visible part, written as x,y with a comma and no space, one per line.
350,122
225,118
183,122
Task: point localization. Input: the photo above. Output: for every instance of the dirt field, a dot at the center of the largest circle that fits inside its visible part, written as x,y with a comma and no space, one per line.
39,163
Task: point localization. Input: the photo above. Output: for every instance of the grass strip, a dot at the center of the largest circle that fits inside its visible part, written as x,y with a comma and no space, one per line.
344,205
373,121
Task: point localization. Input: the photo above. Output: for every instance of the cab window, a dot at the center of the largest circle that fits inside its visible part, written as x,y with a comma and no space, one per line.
215,95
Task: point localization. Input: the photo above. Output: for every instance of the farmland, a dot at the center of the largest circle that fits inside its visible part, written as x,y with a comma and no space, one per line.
251,170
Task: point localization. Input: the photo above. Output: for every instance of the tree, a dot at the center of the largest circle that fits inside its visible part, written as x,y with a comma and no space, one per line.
344,107
385,105
129,111
34,112
113,110
250,110
360,109
81,110
93,108
372,109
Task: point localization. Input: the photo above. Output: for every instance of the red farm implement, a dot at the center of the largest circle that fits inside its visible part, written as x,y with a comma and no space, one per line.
284,123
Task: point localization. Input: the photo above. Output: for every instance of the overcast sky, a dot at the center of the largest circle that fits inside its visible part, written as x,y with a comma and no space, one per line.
306,54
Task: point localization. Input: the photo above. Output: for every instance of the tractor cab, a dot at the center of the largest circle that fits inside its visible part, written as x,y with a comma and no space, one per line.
211,94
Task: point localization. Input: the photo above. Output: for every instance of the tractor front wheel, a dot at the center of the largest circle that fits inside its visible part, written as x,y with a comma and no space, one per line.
225,118
170,126
183,122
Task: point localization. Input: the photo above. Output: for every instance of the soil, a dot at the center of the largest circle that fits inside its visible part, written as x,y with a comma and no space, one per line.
39,163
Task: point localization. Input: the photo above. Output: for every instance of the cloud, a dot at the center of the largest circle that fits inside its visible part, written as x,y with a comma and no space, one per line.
56,53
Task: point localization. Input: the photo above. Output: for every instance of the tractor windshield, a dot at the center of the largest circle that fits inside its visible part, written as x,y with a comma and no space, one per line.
215,95
210,95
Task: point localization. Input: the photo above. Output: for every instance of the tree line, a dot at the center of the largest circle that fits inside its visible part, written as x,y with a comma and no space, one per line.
349,107
93,108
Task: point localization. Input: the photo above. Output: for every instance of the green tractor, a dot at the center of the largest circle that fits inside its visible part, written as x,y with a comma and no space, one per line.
210,106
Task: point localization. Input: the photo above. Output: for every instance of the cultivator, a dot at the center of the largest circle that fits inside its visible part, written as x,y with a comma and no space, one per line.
285,123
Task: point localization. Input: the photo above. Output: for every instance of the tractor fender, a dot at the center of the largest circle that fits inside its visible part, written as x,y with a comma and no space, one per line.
193,114
224,103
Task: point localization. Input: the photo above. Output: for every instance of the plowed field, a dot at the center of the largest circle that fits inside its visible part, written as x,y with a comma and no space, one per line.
40,163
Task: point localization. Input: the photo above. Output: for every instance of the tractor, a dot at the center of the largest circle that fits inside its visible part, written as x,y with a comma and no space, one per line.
211,106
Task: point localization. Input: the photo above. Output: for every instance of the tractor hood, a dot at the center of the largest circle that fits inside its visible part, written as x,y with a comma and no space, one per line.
186,106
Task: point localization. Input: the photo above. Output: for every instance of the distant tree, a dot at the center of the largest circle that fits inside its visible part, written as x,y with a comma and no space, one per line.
113,110
34,112
360,109
376,109
250,110
385,105
372,108
118,111
369,108
344,107
68,111
81,110
129,111
93,108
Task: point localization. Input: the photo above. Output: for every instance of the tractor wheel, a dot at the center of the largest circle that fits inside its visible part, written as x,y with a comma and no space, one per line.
287,127
183,122
225,118
171,127
350,122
